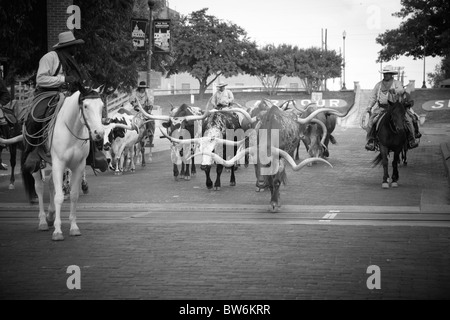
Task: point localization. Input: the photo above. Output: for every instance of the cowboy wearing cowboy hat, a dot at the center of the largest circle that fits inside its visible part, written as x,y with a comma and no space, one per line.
58,71
58,67
385,91
223,97
146,102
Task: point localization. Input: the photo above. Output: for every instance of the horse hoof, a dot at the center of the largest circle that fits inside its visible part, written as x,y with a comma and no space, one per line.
394,185
385,185
57,236
133,170
143,165
11,187
75,232
85,190
258,189
187,178
232,184
273,207
43,227
216,188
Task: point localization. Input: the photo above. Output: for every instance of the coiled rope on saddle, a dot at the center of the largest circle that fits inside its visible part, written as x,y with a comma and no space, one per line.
49,121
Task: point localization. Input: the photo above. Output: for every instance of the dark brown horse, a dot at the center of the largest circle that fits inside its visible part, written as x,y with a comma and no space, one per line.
11,129
392,137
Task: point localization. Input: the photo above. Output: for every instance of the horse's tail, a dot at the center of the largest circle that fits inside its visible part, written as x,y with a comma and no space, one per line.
377,160
27,178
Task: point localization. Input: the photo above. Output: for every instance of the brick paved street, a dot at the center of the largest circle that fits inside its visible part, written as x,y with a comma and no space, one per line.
145,236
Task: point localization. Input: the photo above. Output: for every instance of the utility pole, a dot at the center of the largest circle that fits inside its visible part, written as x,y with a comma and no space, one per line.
344,34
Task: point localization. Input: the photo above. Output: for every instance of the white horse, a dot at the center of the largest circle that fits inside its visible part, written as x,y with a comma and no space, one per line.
78,120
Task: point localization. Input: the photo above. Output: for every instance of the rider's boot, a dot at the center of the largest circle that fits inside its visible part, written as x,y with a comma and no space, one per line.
412,141
417,134
370,145
96,158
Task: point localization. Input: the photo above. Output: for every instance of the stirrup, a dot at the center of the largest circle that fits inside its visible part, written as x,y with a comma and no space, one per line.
370,145
413,144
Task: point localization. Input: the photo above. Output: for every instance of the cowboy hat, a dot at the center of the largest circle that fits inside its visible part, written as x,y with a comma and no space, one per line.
221,84
142,84
389,69
67,39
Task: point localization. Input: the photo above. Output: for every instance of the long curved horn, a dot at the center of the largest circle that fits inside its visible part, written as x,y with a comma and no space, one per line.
302,164
148,115
12,140
325,131
315,113
227,163
182,141
245,113
306,108
229,142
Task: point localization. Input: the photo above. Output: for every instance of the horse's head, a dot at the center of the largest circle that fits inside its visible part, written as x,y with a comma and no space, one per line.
397,111
91,107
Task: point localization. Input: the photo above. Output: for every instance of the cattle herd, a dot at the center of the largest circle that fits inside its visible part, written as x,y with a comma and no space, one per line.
266,136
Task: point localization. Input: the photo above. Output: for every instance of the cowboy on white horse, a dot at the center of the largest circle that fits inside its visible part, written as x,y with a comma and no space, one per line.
58,72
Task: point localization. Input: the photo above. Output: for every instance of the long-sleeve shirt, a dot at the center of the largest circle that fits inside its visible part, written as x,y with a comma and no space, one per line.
144,98
381,97
5,97
48,65
224,97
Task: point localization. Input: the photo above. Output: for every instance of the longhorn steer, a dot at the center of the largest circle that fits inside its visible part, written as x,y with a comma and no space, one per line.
178,126
218,126
278,135
318,134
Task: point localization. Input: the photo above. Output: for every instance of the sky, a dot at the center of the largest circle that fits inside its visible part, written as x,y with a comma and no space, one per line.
302,22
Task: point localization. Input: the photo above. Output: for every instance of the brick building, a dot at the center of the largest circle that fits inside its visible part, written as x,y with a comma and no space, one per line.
56,19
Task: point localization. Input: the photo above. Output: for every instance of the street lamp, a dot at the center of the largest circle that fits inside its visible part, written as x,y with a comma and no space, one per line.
344,34
424,44
151,4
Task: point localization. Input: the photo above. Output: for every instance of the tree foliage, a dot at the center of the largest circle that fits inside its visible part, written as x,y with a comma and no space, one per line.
22,36
424,31
206,48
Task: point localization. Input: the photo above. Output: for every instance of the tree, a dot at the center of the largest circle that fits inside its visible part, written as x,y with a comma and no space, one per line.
314,65
425,31
108,55
206,48
23,36
271,64
440,73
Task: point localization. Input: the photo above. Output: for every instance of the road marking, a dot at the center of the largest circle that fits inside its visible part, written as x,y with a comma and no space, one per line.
329,216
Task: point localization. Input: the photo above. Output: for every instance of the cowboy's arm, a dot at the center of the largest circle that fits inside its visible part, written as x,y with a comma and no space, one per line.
5,97
230,97
47,67
373,97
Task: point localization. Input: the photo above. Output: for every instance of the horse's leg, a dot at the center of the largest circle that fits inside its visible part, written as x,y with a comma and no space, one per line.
183,169
57,173
13,152
84,183
39,187
219,170
385,162
395,174
193,169
66,183
50,218
74,195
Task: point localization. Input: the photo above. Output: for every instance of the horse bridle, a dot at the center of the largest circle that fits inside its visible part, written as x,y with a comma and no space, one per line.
90,95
